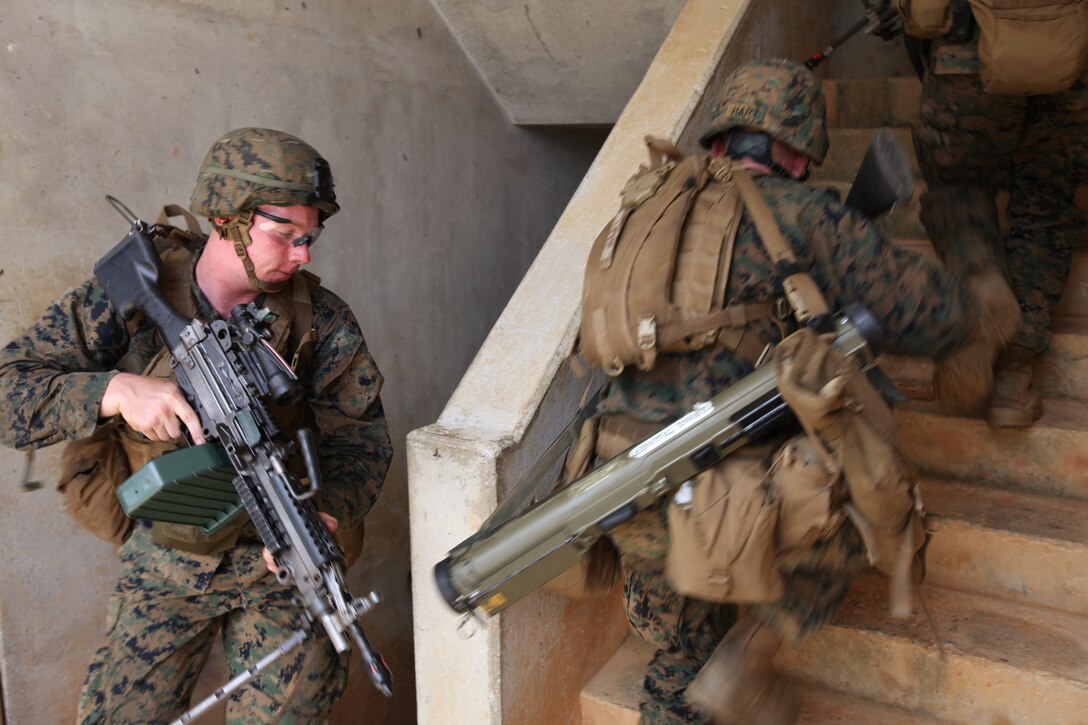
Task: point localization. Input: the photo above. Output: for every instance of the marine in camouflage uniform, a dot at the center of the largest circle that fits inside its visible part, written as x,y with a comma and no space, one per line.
970,144
924,311
171,604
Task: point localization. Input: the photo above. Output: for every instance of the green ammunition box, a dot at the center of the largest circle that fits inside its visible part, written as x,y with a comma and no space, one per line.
189,486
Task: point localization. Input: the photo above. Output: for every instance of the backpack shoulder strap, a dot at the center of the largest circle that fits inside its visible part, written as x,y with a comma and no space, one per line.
303,335
803,294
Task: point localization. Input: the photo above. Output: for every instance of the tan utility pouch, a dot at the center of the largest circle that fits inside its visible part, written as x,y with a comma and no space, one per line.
1031,46
656,276
91,469
722,534
925,18
808,484
846,417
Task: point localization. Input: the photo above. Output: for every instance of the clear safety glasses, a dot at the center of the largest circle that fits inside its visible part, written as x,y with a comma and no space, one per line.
287,230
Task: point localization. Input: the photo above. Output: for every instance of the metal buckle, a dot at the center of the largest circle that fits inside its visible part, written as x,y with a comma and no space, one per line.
647,332
781,309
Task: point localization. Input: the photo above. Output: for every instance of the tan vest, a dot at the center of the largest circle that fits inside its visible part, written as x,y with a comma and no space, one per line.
293,310
93,467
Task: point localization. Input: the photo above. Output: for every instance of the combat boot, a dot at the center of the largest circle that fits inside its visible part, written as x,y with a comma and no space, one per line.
964,381
738,685
1014,404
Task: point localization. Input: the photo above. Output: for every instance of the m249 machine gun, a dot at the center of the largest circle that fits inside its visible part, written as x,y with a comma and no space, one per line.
229,373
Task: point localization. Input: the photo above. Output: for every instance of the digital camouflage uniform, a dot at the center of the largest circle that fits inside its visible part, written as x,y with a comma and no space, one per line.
969,145
169,605
923,310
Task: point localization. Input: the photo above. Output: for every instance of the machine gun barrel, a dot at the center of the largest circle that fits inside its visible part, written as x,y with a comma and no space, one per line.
492,570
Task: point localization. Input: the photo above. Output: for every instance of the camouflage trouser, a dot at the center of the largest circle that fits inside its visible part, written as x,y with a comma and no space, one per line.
970,144
161,625
684,631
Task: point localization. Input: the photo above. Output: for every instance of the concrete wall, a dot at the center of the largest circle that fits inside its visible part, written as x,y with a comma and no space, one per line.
561,61
529,664
864,56
445,205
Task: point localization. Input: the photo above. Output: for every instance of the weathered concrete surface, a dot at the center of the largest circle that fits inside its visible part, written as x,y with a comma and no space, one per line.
517,394
445,205
1048,458
872,102
1019,546
1003,662
864,56
561,61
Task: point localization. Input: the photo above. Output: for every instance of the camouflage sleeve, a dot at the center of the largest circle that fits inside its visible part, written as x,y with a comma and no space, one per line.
926,311
53,376
353,437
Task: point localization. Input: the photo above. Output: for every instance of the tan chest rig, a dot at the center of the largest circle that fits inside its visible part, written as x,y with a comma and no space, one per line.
92,468
294,319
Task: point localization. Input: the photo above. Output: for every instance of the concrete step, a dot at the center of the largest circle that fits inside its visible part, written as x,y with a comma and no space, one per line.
612,697
1048,458
848,146
1061,373
1023,547
872,102
1003,663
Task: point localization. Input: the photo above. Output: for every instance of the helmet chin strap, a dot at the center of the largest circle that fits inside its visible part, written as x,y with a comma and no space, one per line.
236,229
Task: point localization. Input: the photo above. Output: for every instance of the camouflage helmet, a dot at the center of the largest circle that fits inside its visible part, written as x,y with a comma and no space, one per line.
249,167
778,97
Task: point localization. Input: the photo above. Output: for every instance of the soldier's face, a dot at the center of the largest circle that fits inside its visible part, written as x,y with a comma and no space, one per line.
274,251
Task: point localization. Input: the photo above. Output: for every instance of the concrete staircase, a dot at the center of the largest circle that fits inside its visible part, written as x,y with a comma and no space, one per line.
1007,581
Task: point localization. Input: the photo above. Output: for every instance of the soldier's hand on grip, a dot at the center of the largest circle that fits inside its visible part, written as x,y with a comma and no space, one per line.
156,408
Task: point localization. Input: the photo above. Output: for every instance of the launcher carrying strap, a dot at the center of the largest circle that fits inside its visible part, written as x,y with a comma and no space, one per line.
802,293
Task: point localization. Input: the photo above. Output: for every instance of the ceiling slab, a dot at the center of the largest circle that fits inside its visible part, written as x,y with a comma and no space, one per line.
561,61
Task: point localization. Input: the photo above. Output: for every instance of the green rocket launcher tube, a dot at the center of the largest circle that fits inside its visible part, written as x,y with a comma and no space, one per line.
493,569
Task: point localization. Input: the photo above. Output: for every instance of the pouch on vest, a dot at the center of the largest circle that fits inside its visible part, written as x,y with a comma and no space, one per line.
925,18
1031,46
847,417
91,468
656,274
809,487
722,530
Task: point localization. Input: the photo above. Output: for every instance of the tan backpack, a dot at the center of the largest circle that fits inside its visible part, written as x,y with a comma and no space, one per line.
1031,46
656,275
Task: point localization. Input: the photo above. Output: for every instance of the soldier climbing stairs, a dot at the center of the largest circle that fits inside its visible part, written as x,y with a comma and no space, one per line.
1007,583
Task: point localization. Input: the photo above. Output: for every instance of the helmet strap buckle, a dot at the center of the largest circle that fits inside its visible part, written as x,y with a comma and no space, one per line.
236,229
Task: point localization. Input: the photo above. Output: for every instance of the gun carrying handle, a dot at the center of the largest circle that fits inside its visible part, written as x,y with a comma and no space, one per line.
308,448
